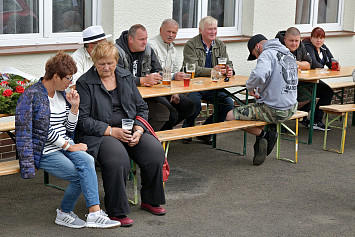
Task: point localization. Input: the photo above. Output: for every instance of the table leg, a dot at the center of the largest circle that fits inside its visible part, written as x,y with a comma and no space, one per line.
313,106
353,120
215,117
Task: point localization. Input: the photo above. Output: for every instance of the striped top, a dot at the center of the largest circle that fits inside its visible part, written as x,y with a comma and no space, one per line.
61,120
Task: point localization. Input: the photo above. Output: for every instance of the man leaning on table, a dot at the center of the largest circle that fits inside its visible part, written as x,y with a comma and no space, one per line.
292,40
204,51
179,105
139,58
273,83
82,56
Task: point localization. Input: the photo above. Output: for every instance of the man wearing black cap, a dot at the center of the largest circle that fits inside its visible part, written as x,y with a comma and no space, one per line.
273,83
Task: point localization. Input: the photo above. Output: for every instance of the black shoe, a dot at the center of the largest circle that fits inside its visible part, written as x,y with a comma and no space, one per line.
319,126
207,139
271,138
305,122
260,151
186,140
271,127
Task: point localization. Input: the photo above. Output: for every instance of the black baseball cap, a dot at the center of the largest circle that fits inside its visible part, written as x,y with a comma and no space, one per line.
252,42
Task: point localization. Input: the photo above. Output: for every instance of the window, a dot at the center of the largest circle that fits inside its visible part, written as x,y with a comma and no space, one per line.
323,13
188,13
39,22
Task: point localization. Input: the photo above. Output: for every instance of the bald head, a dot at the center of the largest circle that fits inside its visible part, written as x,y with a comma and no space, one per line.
292,39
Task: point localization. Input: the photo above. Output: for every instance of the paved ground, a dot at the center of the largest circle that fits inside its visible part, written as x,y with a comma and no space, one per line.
215,193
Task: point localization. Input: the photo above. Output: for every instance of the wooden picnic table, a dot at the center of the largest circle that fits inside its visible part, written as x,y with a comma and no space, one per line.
313,76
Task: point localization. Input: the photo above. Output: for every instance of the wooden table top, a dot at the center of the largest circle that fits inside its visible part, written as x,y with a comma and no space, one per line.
197,84
314,75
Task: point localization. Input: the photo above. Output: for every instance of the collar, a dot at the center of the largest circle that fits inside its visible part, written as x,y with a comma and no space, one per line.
86,53
205,46
160,39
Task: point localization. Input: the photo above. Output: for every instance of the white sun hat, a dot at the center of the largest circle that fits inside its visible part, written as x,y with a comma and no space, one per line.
94,33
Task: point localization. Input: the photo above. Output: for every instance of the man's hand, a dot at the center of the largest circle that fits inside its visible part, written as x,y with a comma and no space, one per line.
175,99
229,71
252,93
179,76
151,79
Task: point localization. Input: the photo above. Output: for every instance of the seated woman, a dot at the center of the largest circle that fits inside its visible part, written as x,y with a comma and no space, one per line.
45,121
321,56
108,95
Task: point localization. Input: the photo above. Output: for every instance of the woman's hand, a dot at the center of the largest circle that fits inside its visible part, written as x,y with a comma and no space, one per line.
74,99
121,134
135,139
78,147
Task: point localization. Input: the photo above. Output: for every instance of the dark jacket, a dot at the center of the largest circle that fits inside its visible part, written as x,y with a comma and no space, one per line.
32,124
147,59
96,106
316,61
194,52
301,53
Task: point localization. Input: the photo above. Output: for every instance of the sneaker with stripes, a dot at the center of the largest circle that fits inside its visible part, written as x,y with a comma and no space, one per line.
100,220
69,220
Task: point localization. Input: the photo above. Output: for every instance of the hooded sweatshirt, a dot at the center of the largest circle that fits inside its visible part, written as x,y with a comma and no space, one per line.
300,53
275,76
146,63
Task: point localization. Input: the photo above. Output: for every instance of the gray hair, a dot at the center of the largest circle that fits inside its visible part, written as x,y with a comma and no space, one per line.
207,20
132,31
169,21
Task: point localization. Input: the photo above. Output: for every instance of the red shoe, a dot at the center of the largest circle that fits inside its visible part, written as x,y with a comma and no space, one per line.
154,210
125,222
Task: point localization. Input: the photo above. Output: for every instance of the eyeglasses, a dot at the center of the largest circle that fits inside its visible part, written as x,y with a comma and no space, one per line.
70,78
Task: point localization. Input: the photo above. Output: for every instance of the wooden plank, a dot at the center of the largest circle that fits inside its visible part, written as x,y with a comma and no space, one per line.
7,126
9,167
314,75
299,114
343,84
338,108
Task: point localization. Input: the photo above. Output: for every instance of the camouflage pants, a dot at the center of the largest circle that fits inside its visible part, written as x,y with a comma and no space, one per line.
262,112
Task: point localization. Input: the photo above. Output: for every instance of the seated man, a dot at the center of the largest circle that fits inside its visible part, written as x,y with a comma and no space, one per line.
140,59
273,83
292,40
180,106
204,51
82,56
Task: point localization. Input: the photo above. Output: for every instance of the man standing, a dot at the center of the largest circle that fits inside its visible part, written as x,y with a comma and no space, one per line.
180,106
292,40
140,59
274,85
204,50
82,56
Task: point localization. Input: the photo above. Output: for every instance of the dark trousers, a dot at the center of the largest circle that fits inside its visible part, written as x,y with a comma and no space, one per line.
158,112
178,112
113,158
225,104
325,95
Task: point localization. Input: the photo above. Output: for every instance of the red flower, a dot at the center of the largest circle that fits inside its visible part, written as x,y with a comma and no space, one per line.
7,93
21,82
19,89
4,83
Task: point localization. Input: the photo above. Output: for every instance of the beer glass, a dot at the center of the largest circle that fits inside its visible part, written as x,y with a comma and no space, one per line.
190,69
222,63
127,124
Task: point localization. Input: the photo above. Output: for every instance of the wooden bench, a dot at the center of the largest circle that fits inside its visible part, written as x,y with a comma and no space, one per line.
9,167
177,134
340,111
339,87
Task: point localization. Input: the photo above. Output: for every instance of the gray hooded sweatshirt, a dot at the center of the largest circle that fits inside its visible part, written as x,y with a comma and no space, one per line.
275,77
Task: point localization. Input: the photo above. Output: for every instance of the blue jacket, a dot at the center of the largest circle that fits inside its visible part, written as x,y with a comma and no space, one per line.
32,124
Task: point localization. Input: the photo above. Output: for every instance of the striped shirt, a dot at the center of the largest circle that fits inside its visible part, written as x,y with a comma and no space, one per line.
61,121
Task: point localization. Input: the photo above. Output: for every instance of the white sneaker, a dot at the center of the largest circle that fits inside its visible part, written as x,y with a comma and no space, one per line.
69,220
101,220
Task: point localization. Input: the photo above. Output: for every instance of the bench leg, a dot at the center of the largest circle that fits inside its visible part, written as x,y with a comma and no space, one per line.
135,185
46,182
343,134
345,124
278,144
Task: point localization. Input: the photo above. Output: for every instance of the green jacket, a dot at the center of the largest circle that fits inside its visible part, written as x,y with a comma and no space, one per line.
194,52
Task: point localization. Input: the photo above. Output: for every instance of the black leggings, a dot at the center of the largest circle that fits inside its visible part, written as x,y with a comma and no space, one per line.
114,157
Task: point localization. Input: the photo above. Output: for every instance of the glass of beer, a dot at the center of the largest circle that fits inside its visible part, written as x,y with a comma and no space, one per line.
222,63
190,69
215,75
166,82
187,78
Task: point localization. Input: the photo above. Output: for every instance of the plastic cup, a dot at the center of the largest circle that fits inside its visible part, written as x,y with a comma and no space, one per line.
127,124
215,75
335,64
187,78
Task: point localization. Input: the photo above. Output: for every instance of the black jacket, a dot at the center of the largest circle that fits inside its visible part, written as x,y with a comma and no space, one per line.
301,53
147,59
316,62
95,108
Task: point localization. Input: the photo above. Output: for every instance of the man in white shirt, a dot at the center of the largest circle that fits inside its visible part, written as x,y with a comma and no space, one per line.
180,106
82,56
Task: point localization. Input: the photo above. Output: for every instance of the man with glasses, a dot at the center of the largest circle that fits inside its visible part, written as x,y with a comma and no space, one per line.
82,56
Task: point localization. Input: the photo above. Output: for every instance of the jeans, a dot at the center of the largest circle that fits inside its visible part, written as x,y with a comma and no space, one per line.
225,104
77,167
